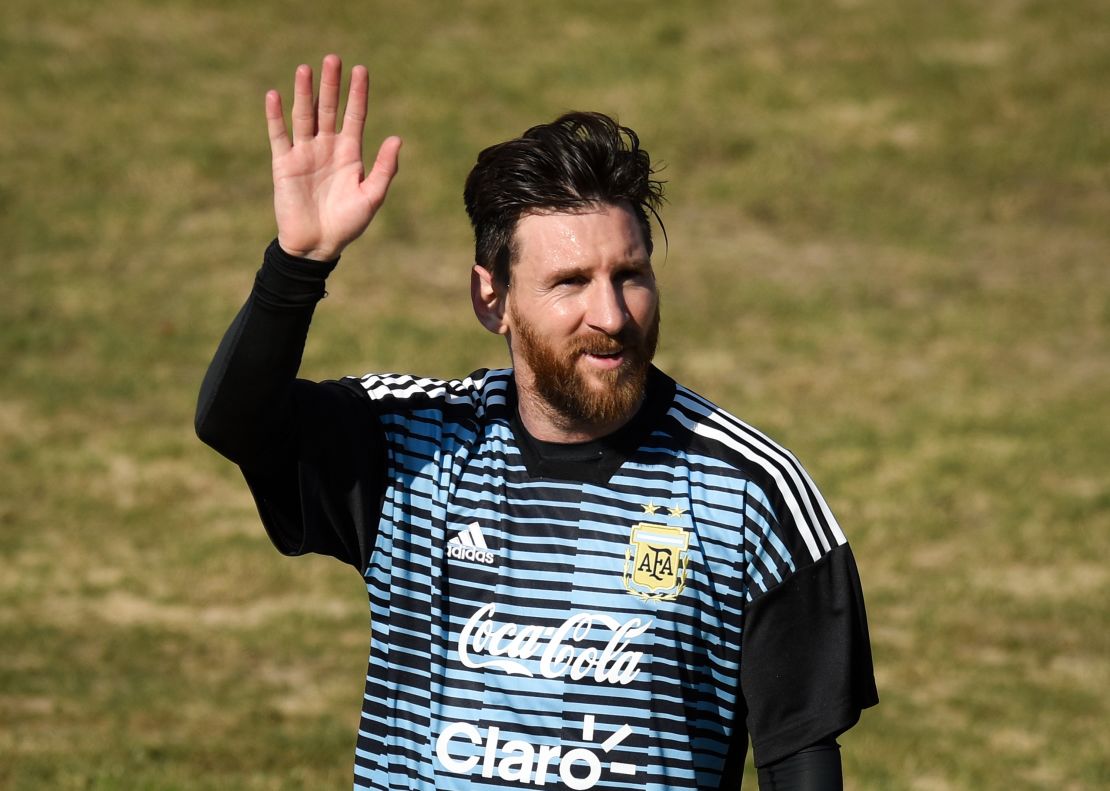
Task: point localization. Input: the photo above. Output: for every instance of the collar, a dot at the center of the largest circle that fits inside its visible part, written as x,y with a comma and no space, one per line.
594,461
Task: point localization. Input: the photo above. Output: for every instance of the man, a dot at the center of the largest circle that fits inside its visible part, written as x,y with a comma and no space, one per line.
581,574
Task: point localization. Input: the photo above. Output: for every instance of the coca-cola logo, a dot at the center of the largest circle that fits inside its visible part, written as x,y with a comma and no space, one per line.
485,644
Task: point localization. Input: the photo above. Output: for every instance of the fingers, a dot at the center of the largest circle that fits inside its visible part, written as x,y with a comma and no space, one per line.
330,75
313,115
354,119
275,125
317,115
376,184
304,111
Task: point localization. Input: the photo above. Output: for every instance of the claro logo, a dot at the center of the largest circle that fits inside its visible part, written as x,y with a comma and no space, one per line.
483,643
518,761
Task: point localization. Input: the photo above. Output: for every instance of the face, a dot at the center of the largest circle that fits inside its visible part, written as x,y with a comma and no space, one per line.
583,315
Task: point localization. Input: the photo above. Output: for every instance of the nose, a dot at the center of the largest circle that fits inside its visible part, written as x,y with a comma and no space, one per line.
607,311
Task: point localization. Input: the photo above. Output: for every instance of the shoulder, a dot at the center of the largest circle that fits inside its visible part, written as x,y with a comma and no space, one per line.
774,478
726,437
482,392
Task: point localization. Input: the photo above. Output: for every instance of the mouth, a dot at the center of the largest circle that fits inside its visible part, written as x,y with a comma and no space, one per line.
605,360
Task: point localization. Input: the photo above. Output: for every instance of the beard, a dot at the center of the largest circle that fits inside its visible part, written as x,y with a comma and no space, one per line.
601,397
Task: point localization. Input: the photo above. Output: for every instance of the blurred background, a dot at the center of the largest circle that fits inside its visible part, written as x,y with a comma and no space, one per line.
888,248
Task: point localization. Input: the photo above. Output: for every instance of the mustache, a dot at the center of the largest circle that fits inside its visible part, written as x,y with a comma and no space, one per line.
608,344
630,340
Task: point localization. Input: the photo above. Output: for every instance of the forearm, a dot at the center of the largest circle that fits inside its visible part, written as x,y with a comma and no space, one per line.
245,407
815,768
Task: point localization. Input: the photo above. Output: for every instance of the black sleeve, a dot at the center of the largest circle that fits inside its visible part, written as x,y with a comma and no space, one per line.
311,452
806,672
815,768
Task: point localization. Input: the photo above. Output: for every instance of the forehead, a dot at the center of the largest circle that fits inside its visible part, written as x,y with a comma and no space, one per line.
605,235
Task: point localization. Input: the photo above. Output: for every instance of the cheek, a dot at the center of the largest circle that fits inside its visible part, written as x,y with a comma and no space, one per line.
550,323
559,318
642,304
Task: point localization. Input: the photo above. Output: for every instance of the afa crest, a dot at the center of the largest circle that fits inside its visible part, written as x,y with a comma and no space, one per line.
656,561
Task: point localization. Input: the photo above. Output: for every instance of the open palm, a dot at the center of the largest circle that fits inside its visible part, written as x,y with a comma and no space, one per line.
323,200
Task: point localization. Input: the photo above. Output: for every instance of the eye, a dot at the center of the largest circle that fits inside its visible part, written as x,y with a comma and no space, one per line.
633,276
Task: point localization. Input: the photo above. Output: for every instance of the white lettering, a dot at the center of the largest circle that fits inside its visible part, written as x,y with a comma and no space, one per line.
491,751
548,753
583,664
519,761
527,641
477,635
495,646
618,664
461,552
517,768
484,644
593,764
443,744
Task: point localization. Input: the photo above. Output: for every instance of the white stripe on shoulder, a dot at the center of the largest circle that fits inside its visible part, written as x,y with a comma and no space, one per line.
486,389
746,432
719,436
778,461
402,386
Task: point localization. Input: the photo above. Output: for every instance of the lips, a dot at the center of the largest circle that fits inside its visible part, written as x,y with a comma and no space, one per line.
606,360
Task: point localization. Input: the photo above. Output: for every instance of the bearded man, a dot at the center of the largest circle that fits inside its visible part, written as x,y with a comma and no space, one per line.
581,574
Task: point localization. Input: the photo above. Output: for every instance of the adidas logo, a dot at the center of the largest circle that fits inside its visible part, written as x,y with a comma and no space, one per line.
470,544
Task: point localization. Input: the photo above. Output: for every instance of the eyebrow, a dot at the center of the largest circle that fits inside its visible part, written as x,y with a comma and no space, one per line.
625,264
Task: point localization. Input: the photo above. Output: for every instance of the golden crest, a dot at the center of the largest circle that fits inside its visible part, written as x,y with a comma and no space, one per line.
656,561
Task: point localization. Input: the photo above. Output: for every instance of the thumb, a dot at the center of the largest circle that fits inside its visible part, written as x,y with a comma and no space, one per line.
376,184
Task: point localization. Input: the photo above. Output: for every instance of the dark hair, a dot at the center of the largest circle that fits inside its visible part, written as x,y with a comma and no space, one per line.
577,161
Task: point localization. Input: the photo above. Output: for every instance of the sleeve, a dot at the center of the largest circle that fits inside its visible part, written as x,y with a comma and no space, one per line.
326,499
816,768
312,453
806,669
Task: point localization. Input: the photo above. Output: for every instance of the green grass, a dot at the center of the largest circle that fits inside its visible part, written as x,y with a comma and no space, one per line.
888,248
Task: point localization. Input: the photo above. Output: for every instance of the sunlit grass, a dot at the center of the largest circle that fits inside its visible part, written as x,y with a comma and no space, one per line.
887,248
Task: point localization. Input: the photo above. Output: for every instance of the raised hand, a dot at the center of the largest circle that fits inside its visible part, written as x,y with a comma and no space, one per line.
323,198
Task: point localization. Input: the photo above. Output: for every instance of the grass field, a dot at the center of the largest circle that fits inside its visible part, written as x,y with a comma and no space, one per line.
888,248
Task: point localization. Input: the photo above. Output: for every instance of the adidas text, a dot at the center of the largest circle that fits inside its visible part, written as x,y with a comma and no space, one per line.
459,552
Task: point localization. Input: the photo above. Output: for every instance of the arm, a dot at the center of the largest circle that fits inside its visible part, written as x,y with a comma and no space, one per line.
815,768
246,406
807,671
251,406
322,203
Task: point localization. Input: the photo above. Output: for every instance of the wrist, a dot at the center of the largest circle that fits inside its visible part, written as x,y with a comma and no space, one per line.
288,283
320,254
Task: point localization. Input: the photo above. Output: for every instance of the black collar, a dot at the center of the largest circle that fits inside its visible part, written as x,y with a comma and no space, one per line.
594,461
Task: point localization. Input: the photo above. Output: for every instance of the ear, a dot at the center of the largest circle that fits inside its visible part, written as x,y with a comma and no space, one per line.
488,299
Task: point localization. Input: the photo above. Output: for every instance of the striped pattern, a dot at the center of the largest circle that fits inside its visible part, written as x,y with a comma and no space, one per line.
542,670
